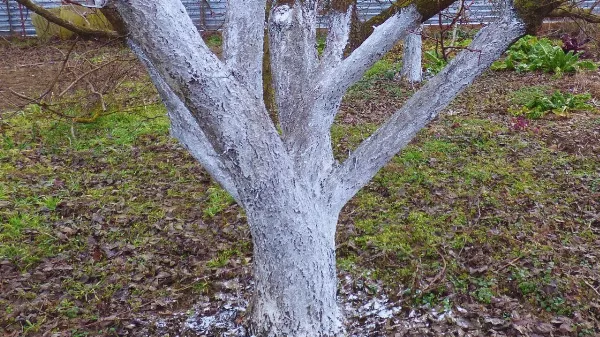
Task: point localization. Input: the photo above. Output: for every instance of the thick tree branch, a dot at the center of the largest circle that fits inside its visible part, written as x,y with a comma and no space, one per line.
234,121
243,45
426,8
82,31
336,81
309,141
575,13
292,38
339,19
397,132
185,128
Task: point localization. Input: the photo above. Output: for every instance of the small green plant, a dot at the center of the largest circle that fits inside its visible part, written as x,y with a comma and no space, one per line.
50,203
68,309
321,44
524,283
222,258
434,62
483,293
536,104
201,287
218,201
382,69
3,192
214,41
531,53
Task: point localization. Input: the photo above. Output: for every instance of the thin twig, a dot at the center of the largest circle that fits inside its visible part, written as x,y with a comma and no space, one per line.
591,286
62,68
510,263
84,75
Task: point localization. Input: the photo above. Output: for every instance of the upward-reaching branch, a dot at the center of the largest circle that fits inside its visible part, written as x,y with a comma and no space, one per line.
339,18
234,120
292,38
309,139
397,132
243,45
185,128
427,9
337,80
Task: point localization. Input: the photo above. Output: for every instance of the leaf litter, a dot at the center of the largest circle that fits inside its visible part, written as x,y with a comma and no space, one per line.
127,249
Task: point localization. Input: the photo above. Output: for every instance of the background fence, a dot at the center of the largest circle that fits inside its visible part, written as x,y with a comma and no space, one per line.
210,14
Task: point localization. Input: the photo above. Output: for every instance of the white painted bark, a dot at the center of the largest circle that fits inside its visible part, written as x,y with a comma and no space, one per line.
289,185
243,43
487,46
412,69
295,276
185,128
335,81
292,39
337,38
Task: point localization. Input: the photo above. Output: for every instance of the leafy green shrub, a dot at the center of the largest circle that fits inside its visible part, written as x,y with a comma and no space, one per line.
559,103
531,53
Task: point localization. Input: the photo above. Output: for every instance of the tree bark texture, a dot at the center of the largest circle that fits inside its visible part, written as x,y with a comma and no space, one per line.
294,271
285,176
412,69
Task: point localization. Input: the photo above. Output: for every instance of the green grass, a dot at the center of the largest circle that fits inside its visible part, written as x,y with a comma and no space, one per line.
105,205
431,201
112,215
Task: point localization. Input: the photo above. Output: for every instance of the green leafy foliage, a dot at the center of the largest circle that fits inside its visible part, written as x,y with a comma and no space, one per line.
382,69
535,104
434,61
531,53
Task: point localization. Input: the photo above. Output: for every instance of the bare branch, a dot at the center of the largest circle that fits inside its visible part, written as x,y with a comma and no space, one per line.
424,106
575,12
60,72
51,17
427,9
97,3
243,45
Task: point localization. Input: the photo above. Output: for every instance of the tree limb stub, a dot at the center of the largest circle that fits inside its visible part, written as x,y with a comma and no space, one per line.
533,12
82,31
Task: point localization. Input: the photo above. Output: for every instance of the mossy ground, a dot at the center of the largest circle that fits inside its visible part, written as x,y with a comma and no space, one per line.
105,222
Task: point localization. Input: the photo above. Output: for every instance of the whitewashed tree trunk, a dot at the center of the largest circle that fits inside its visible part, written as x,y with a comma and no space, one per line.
287,181
412,69
295,276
